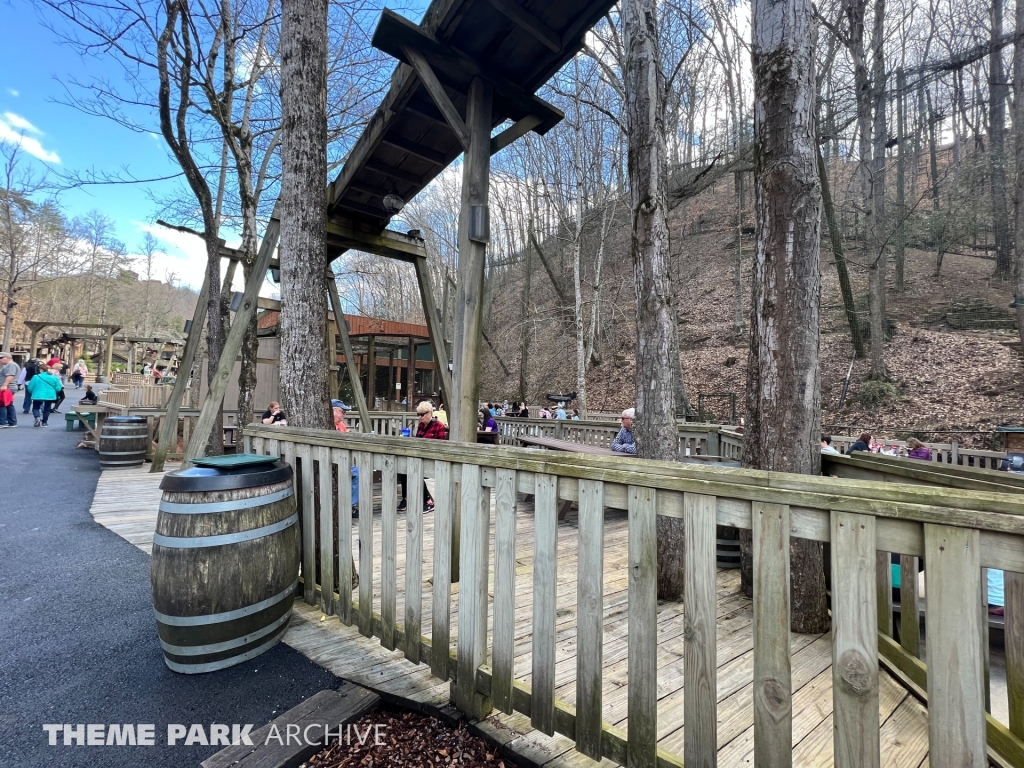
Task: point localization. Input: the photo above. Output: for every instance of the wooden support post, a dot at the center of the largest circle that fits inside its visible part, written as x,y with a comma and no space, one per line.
330,335
956,695
410,377
476,173
32,343
108,354
1014,642
169,425
350,358
435,329
371,373
391,376
232,346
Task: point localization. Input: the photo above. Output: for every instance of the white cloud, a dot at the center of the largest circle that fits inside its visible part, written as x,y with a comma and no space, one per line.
185,259
13,92
19,122
12,129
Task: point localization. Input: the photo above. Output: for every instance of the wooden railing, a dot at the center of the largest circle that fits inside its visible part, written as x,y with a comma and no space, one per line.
958,532
136,396
942,453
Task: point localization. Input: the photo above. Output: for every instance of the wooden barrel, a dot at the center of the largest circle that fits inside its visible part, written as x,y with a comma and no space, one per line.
123,442
225,564
727,553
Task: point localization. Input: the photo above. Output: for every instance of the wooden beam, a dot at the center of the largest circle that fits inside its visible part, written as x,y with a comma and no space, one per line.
396,173
515,131
472,257
389,243
435,330
529,23
232,346
426,112
438,94
395,34
424,153
363,208
350,359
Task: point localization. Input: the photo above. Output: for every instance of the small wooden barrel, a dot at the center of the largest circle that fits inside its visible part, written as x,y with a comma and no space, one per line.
123,442
727,553
225,564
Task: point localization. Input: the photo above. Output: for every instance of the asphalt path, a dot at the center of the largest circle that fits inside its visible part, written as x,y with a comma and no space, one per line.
78,641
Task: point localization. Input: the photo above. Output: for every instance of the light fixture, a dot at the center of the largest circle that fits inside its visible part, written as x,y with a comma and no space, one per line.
479,224
188,327
414,233
236,301
275,275
393,203
451,365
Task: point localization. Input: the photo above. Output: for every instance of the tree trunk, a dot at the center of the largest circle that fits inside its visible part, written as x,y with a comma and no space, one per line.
997,149
524,338
1018,197
839,255
247,371
901,177
737,264
656,433
783,374
878,254
303,246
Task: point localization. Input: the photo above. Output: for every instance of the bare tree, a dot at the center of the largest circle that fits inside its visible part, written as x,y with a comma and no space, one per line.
303,245
1018,197
657,436
783,373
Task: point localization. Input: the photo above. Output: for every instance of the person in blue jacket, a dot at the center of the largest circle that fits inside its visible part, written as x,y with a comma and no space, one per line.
624,441
43,387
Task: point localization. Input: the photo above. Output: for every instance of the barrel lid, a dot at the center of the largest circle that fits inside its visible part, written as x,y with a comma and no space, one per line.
125,420
226,478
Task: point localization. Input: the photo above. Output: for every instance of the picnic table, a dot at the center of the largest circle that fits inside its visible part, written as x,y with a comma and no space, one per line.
553,444
101,411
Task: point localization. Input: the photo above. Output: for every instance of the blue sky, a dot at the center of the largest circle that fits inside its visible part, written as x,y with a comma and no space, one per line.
32,64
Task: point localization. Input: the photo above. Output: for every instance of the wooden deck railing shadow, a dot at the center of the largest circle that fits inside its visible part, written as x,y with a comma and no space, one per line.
958,532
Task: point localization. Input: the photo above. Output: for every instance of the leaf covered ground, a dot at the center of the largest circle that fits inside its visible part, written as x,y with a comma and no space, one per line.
409,740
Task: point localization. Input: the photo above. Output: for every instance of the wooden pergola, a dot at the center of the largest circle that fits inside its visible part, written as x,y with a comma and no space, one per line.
111,328
467,68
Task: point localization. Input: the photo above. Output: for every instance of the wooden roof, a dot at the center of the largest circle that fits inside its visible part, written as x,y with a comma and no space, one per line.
358,325
516,46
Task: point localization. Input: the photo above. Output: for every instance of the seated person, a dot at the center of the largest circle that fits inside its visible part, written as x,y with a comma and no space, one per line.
274,416
624,442
826,445
90,396
863,443
918,450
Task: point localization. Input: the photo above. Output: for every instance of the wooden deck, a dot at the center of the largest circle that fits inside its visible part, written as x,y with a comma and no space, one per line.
126,502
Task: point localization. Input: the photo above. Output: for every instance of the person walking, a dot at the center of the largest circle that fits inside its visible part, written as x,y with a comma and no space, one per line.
79,373
429,428
31,369
43,387
9,371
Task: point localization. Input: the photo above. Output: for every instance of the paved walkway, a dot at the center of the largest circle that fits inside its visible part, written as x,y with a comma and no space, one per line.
77,637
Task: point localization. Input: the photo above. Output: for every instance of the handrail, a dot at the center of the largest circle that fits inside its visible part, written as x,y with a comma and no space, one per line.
958,532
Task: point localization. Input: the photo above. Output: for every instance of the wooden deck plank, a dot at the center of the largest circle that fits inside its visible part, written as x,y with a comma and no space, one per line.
126,502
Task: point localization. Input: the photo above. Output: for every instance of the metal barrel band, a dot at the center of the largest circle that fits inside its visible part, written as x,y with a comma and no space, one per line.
213,666
124,453
177,508
198,542
227,645
217,618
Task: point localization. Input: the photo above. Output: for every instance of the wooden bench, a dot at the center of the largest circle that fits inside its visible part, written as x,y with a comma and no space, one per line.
553,444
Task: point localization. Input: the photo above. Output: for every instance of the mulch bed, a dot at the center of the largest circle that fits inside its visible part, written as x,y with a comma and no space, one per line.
407,739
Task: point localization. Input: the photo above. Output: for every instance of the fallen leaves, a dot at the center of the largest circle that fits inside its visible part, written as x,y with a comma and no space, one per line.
398,738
